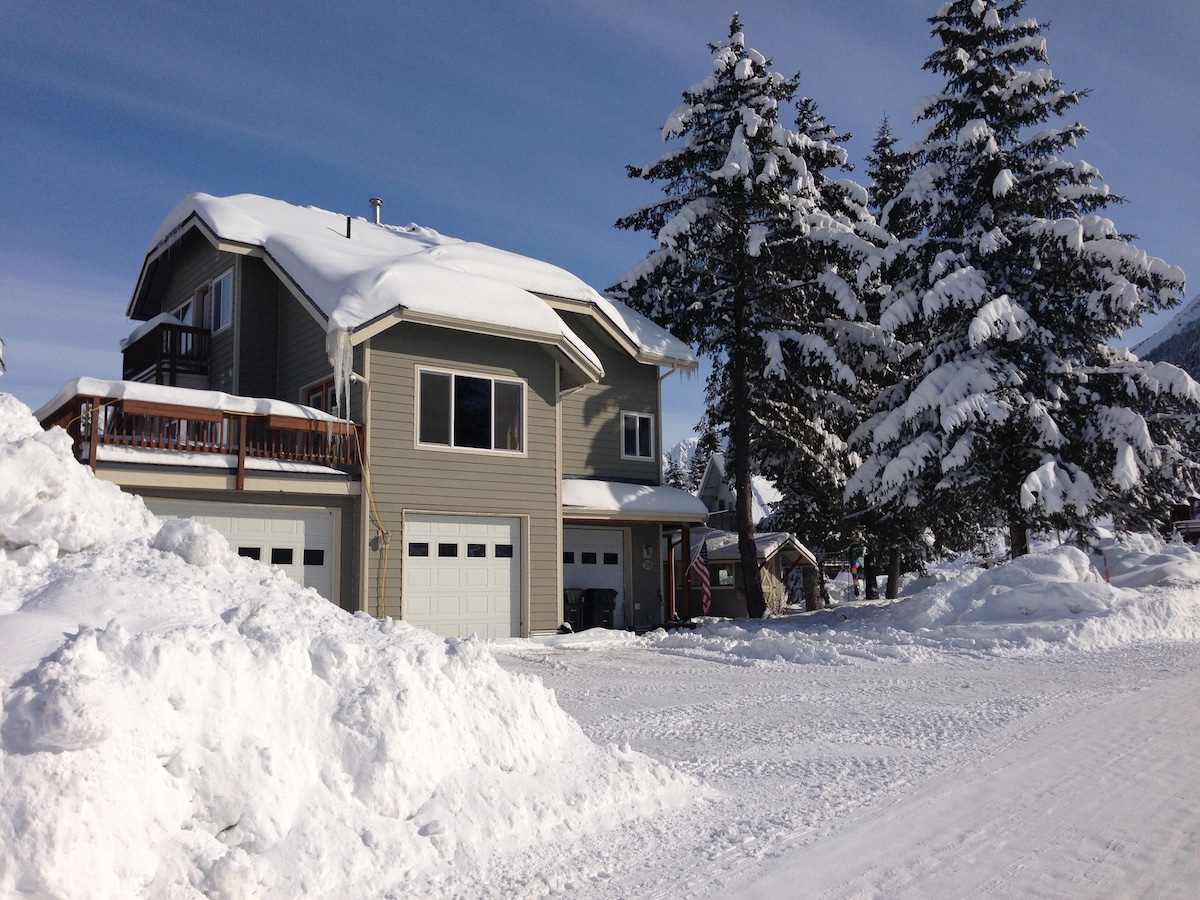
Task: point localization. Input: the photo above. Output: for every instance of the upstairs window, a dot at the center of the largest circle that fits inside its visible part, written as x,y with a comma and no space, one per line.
637,431
470,411
220,302
212,307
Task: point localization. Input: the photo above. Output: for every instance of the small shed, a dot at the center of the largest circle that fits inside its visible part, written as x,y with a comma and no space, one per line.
781,556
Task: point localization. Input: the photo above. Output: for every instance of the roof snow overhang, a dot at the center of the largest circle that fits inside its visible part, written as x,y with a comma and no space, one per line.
586,499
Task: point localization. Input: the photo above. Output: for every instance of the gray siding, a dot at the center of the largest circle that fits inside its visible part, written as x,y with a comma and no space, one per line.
405,476
591,416
647,582
302,357
256,316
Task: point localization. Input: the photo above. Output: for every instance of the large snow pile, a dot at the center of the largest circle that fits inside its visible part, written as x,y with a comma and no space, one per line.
1055,599
181,722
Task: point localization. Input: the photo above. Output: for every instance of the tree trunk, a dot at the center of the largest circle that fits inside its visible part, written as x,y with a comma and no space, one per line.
871,574
1018,537
812,589
756,602
893,575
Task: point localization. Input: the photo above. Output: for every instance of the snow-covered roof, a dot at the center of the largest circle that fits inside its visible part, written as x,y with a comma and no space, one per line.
585,498
765,494
722,546
178,396
383,273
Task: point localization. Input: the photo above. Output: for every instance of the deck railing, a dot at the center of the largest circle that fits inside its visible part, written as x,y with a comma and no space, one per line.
165,352
94,422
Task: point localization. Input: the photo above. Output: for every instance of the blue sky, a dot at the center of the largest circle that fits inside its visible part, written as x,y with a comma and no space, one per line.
508,123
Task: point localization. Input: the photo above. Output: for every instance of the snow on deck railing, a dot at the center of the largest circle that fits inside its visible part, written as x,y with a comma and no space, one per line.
93,422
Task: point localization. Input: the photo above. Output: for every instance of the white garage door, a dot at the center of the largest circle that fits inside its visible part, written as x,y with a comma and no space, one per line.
299,540
462,574
594,558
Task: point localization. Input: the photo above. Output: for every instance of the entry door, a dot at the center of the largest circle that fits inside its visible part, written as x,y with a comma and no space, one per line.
595,558
462,574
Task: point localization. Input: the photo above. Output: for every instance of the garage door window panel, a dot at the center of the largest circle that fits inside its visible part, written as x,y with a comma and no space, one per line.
470,412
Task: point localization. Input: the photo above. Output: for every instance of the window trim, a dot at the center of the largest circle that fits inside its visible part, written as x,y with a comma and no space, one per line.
328,394
648,417
494,379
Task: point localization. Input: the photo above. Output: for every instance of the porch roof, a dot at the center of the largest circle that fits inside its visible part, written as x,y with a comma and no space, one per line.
585,498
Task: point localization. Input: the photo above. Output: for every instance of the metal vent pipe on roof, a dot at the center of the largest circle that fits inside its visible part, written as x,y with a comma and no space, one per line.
377,204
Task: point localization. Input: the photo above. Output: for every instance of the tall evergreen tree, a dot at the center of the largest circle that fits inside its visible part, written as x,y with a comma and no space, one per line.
722,277
813,391
1021,411
888,172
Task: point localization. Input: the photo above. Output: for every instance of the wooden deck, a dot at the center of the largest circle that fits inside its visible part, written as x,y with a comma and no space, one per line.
94,422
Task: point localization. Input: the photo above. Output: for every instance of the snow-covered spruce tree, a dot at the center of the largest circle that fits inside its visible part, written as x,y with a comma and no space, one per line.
674,474
737,200
822,352
1021,411
888,172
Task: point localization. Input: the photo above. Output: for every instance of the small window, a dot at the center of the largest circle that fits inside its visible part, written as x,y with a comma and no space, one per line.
447,550
220,302
638,436
314,557
725,576
250,552
476,551
184,315
321,396
610,559
504,551
568,557
588,559
418,549
281,556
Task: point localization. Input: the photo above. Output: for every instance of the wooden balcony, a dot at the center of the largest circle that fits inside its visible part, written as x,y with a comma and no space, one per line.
165,353
96,422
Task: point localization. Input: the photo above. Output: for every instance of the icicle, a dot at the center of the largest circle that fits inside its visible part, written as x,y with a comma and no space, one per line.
340,351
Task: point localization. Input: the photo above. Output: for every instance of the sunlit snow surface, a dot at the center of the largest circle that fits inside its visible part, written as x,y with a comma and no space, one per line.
181,722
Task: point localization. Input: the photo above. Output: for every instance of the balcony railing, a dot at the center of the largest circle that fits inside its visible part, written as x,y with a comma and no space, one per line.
165,352
95,422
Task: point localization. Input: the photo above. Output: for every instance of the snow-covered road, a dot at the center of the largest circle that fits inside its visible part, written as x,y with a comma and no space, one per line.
963,775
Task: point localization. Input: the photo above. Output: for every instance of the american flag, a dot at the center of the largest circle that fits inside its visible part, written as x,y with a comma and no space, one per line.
700,567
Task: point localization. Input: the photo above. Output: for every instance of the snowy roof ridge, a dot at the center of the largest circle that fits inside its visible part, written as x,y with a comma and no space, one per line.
356,273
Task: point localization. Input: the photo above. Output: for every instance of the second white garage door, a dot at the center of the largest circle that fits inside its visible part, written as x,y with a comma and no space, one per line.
462,574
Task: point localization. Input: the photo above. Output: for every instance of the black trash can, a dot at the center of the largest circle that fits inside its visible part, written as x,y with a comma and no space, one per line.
573,606
601,604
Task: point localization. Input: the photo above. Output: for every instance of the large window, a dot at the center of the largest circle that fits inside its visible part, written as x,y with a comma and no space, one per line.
470,411
637,436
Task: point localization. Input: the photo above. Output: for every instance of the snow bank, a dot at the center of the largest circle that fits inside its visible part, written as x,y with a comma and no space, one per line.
1056,598
181,722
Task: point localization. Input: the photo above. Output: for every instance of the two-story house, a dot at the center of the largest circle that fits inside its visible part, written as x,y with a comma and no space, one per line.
417,426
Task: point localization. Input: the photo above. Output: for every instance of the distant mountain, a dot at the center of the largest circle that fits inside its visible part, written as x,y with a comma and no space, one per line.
1178,342
682,453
